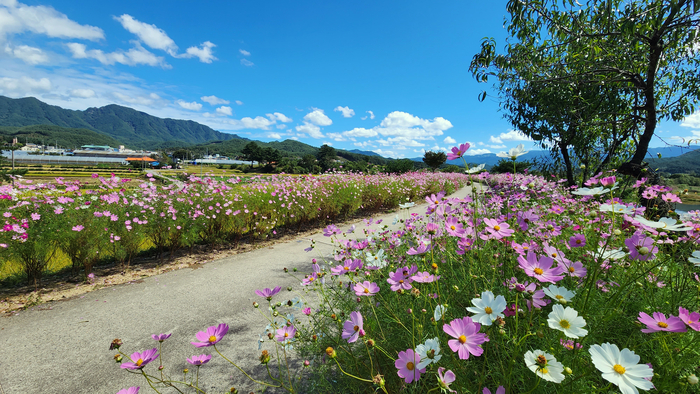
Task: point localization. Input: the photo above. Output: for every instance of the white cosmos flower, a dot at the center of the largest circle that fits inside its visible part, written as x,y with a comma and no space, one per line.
559,294
407,205
439,312
513,153
663,223
617,208
614,254
544,365
475,169
621,368
376,260
696,258
568,321
429,352
487,308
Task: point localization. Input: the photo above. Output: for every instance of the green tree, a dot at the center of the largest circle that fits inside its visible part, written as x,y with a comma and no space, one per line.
399,166
325,156
644,54
434,159
252,152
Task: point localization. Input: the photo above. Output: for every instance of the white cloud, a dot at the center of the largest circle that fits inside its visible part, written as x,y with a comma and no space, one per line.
371,115
347,112
16,18
363,144
495,146
213,100
129,99
512,135
27,54
449,140
274,136
134,56
386,153
281,126
311,130
244,52
247,62
24,85
361,132
692,121
150,35
399,143
223,110
193,106
336,137
318,118
82,93
277,116
328,143
253,123
203,52
238,102
472,152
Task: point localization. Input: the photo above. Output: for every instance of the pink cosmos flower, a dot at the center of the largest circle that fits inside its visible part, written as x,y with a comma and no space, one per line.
607,181
641,247
467,337
199,360
541,269
352,329
499,390
306,311
577,241
498,230
160,337
401,278
130,390
348,266
458,152
692,320
35,216
575,269
286,333
78,228
406,364
422,249
660,323
366,288
570,344
139,360
211,336
267,293
445,379
670,197
424,277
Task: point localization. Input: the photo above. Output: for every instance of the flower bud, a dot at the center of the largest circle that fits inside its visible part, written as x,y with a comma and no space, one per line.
264,357
692,379
331,352
118,358
378,380
540,334
255,305
314,337
370,343
185,370
289,288
306,363
115,344
233,390
644,251
568,371
617,231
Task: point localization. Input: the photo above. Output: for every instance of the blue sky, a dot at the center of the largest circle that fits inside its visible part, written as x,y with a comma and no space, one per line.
390,77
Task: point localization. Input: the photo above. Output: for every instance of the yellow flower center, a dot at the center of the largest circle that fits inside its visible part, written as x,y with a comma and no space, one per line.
544,371
401,281
356,328
554,255
212,338
410,366
565,324
488,310
662,324
538,271
346,268
462,339
453,227
139,362
578,242
571,269
559,296
619,369
286,334
497,228
366,290
311,278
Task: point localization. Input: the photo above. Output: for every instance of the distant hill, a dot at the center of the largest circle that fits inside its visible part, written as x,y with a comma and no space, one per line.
687,163
364,152
132,128
56,135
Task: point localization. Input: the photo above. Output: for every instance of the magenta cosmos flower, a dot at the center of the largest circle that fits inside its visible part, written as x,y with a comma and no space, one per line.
160,337
641,247
467,337
352,329
366,288
445,379
577,241
498,230
691,319
130,390
541,269
407,365
499,390
267,293
660,323
458,152
199,360
211,336
286,333
139,360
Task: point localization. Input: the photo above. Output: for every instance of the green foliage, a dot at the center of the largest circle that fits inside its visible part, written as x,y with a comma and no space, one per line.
608,71
434,159
399,166
506,166
326,156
